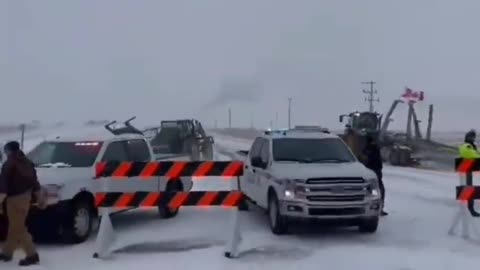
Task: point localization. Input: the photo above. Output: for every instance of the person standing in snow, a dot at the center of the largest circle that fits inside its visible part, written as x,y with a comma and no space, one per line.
373,161
18,185
468,149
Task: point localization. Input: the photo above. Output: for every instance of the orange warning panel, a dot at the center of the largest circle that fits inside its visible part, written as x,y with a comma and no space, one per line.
170,199
463,165
169,169
468,193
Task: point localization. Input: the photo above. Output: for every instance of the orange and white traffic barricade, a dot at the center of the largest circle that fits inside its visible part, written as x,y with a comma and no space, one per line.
138,196
466,193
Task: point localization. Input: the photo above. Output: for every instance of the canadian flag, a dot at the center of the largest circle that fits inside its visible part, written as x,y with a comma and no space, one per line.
412,96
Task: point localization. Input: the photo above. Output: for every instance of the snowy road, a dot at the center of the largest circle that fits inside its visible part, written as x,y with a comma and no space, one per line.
413,236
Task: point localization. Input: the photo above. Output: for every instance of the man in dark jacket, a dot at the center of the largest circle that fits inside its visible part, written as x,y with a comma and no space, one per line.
373,161
18,183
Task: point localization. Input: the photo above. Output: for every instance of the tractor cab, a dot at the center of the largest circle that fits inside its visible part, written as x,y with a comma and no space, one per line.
362,123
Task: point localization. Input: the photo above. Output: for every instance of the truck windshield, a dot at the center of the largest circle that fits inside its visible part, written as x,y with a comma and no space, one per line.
167,141
367,121
311,150
65,154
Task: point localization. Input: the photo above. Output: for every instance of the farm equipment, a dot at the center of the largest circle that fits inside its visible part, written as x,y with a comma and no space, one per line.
363,124
181,137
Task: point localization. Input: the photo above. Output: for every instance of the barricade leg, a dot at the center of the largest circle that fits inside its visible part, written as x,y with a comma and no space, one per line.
456,221
106,235
236,237
464,219
461,218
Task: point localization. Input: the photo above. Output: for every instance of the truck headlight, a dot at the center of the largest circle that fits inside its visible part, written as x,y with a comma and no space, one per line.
293,190
373,187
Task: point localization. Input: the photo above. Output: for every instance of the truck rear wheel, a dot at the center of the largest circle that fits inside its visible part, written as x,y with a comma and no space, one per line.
165,211
208,153
393,157
195,152
278,223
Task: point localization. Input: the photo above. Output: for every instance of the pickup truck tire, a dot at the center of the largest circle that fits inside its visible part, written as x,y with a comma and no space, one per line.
195,152
208,152
165,211
368,225
278,223
78,225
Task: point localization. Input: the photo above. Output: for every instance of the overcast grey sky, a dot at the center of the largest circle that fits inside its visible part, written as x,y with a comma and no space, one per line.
82,59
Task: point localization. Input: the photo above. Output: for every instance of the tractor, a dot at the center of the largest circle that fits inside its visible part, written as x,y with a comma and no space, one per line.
361,124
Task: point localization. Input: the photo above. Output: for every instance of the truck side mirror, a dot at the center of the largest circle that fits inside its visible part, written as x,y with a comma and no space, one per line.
256,162
340,118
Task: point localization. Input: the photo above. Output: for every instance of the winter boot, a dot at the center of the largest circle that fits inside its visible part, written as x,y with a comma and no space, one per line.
5,258
30,260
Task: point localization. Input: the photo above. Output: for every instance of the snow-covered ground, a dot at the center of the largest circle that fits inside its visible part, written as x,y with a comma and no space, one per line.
413,236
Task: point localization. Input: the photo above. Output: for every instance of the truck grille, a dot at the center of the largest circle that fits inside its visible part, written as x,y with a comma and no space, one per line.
335,211
347,198
336,189
335,180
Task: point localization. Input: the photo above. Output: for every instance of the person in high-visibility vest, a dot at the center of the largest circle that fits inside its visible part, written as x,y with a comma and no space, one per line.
468,149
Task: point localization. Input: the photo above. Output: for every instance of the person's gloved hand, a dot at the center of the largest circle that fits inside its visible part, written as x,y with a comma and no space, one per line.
41,199
2,199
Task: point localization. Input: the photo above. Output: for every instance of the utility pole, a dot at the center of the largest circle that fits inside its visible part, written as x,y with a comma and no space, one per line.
276,120
289,112
370,95
229,118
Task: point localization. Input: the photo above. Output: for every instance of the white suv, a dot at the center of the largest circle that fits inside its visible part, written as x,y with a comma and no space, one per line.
66,167
309,174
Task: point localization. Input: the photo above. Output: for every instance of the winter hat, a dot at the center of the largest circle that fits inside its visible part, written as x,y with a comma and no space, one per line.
12,146
470,136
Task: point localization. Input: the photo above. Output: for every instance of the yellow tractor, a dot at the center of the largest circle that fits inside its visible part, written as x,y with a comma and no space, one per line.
358,126
361,124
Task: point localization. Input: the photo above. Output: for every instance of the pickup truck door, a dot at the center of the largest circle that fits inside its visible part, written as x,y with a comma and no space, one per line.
248,186
263,175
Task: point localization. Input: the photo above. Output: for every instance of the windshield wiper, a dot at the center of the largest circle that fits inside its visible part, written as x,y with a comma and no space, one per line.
300,160
55,165
330,160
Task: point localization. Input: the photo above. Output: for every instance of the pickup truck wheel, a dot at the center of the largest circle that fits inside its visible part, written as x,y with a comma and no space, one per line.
208,153
78,226
165,211
278,223
369,225
195,156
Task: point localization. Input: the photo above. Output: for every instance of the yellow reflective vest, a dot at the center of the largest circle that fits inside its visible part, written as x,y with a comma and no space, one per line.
466,150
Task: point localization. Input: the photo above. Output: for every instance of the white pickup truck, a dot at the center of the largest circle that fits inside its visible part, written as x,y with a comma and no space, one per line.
309,174
66,167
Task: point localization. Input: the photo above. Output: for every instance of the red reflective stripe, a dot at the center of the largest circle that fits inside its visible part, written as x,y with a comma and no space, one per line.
233,169
204,169
176,170
149,170
466,194
122,171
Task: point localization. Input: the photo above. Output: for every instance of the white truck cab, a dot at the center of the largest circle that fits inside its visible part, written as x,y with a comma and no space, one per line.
66,169
310,174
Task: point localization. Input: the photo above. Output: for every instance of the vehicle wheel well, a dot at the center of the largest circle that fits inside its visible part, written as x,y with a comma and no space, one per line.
175,183
271,192
88,197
